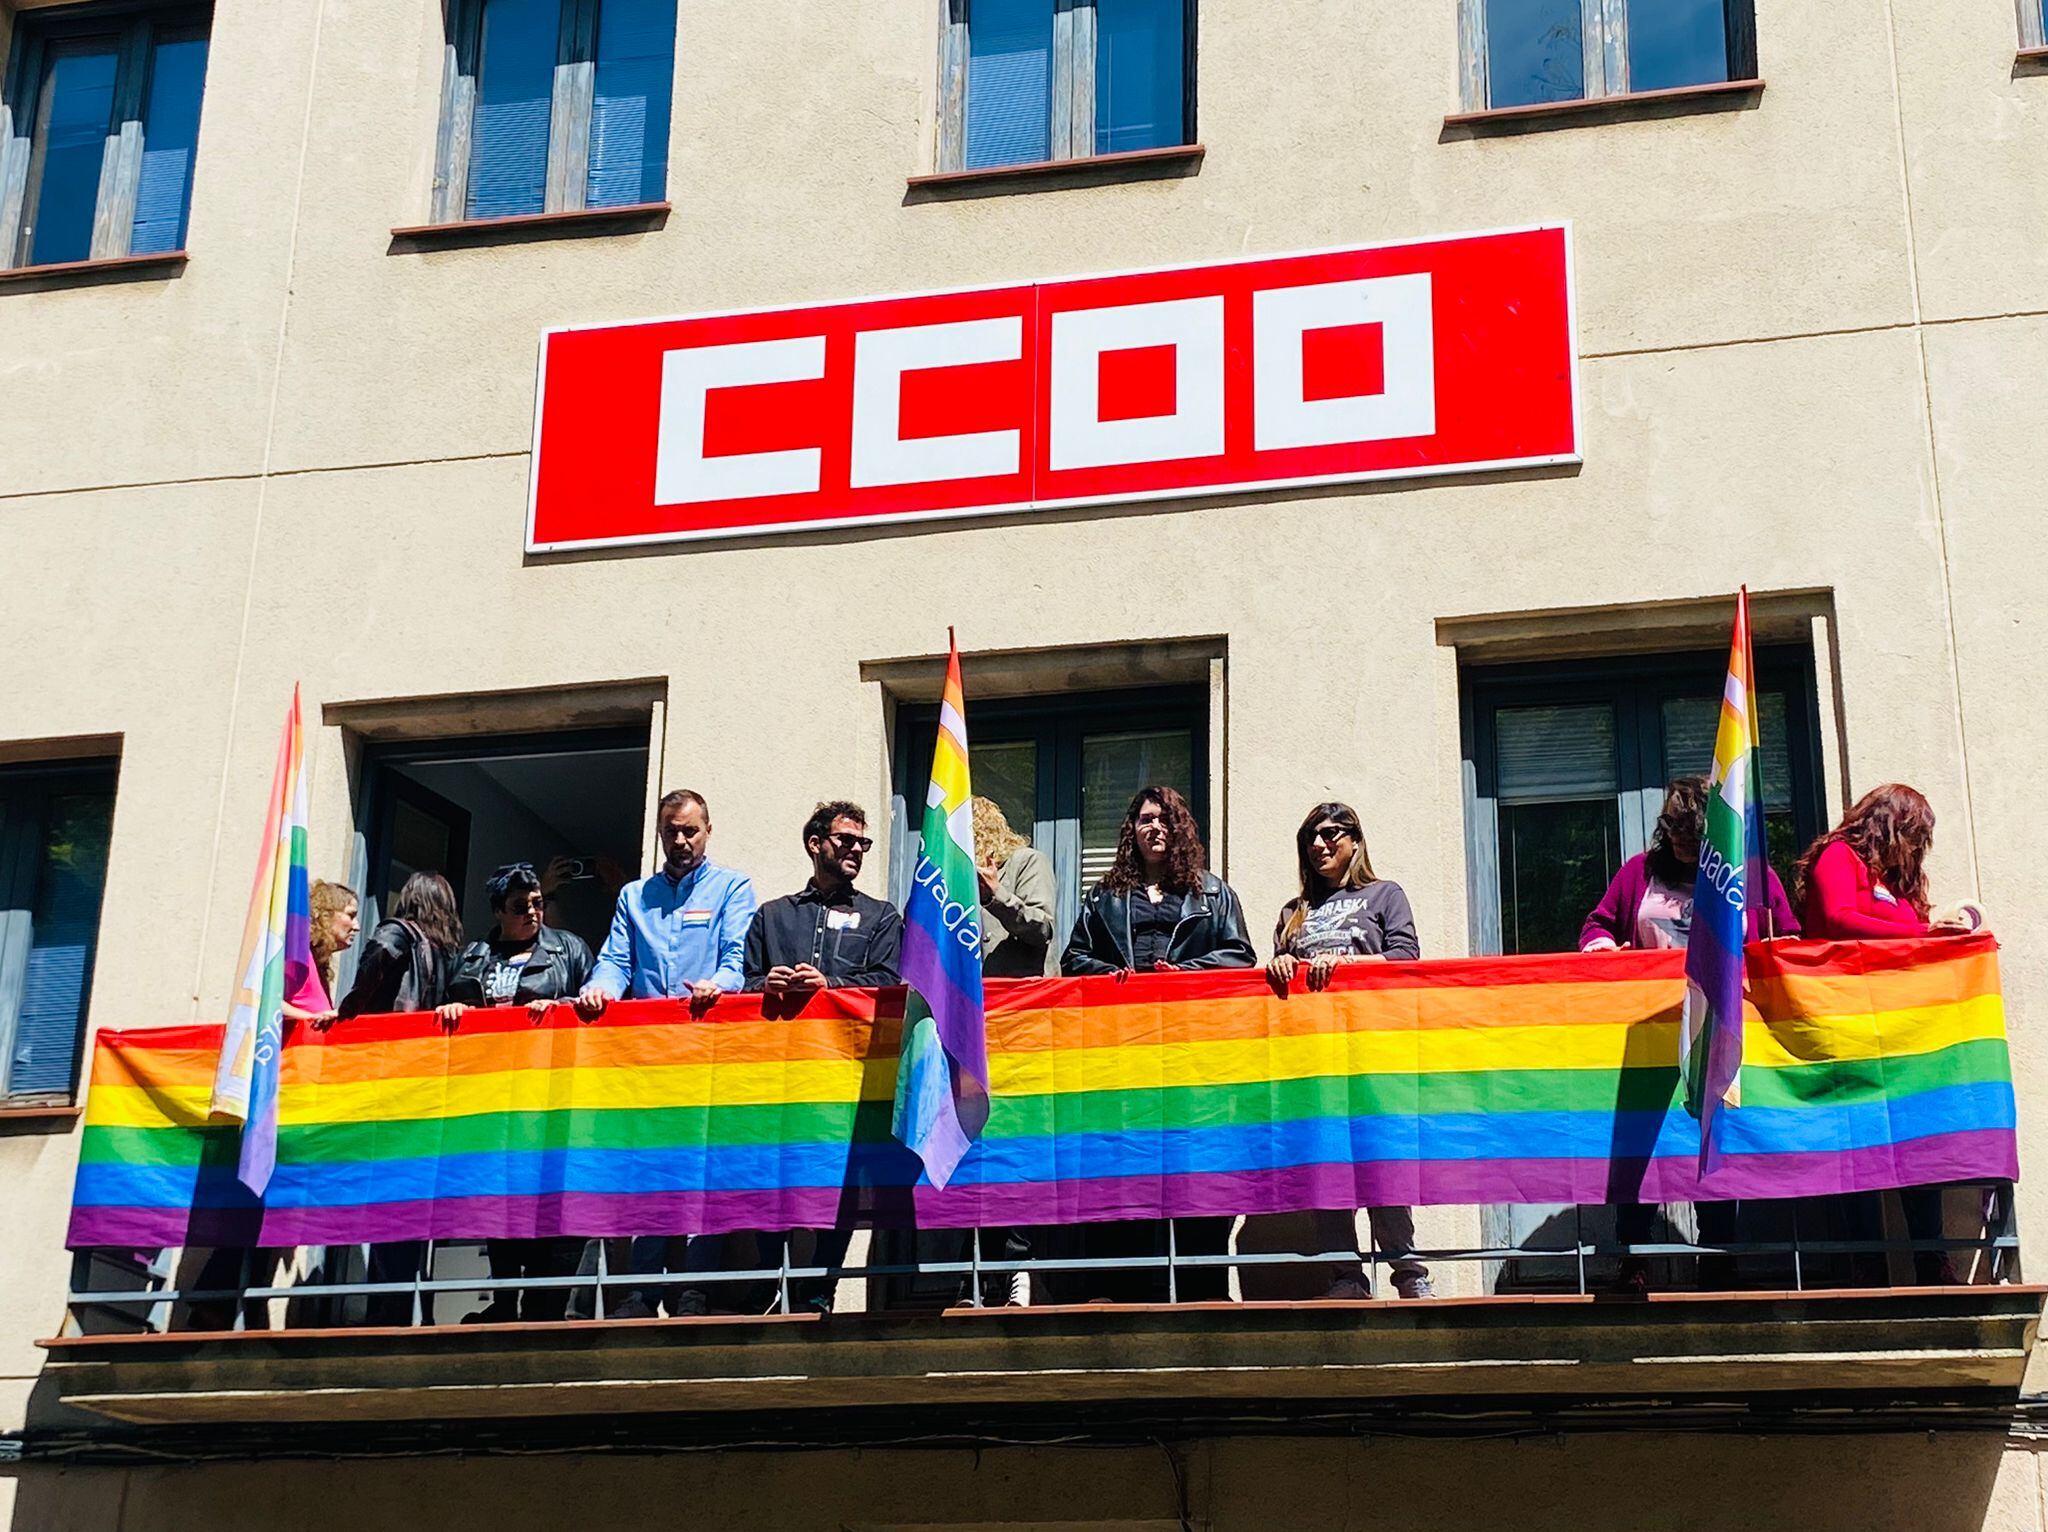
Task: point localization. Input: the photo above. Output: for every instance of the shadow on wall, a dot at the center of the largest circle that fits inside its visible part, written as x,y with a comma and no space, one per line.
1952,1482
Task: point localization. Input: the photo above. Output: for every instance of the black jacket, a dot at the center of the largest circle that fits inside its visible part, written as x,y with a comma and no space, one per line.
400,970
1211,932
851,939
559,967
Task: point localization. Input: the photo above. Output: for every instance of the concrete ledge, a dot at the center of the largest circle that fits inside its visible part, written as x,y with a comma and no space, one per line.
1927,1343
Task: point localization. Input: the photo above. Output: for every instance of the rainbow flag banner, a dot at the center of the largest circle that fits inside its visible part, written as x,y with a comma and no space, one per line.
276,966
942,1088
1536,1079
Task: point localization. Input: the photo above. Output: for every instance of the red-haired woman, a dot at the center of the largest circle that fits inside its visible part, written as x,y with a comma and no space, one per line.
1865,879
1158,908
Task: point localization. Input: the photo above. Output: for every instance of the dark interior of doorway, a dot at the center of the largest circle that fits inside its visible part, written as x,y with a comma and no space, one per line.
464,808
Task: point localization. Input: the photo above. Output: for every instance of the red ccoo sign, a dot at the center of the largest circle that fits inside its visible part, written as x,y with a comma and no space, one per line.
1390,361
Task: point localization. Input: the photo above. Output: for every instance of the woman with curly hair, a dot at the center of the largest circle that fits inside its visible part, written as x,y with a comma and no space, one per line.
1867,877
1159,908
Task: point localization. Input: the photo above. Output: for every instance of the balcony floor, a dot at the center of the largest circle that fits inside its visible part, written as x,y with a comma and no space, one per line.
1889,1345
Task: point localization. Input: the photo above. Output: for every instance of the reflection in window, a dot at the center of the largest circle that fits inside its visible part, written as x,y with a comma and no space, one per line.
564,105
1009,83
106,114
515,87
1140,70
629,113
1534,52
55,829
1676,42
1054,81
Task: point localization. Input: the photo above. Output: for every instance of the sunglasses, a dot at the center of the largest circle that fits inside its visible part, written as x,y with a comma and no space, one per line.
860,843
1331,833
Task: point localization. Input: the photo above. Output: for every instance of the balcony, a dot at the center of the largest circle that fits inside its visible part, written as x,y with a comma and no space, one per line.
1544,1089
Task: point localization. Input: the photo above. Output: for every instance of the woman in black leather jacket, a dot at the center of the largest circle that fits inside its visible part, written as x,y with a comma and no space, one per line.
523,961
1159,908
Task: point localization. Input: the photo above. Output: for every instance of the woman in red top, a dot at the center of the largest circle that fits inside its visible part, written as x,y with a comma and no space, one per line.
1867,876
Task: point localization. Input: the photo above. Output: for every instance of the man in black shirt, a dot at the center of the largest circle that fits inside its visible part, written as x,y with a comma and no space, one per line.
828,934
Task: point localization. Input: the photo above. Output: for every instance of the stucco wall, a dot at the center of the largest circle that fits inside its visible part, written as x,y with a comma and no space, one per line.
1813,334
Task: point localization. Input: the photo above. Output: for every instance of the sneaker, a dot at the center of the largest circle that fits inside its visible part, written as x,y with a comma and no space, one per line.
1347,1290
1020,1291
633,1306
688,1304
1413,1284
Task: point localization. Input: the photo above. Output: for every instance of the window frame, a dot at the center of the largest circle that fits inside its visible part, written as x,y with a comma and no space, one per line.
36,783
569,113
133,26
1072,130
1636,686
1604,43
1057,723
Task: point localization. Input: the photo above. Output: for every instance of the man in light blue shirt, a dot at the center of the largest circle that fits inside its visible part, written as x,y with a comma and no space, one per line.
679,934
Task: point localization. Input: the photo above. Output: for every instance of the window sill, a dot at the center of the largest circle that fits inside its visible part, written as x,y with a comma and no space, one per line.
116,268
2032,61
631,218
48,1111
1132,164
1722,95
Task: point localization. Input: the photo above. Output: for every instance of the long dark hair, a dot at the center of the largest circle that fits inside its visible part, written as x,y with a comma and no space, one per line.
1684,814
429,903
1892,829
1185,861
1357,872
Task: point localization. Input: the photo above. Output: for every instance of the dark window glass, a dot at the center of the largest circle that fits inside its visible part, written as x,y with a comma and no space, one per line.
170,140
1676,42
1009,82
629,114
515,86
1140,75
74,115
54,832
1534,52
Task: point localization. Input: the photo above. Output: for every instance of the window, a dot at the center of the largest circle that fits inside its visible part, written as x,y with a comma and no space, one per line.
1062,769
1530,52
99,132
2033,24
55,827
555,106
1569,763
1028,81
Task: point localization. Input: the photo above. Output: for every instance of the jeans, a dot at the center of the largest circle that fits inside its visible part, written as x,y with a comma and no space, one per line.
1393,1233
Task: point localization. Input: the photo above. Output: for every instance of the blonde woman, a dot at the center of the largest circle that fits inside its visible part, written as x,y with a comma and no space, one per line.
1017,894
1347,913
335,909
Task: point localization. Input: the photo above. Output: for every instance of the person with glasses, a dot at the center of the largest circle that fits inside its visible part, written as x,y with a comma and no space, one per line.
826,935
1347,913
1158,909
524,961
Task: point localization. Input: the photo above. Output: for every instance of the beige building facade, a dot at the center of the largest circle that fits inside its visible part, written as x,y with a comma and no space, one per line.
1812,327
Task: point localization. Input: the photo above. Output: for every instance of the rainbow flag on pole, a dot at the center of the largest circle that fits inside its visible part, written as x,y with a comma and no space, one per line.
276,965
1731,876
942,1080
